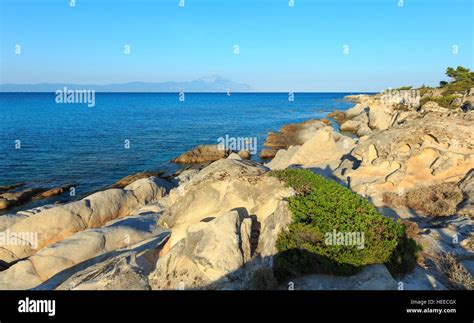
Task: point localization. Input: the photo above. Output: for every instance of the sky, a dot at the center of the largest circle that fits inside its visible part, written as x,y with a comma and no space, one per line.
313,46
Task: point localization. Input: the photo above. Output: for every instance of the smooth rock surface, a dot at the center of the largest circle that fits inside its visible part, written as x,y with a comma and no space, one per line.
209,253
374,277
57,223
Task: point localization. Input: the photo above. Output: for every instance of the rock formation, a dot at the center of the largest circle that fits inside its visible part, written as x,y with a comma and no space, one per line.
290,135
216,225
202,154
54,224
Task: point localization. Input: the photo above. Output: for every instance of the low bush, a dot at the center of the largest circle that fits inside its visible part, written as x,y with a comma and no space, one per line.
322,207
457,275
445,101
435,200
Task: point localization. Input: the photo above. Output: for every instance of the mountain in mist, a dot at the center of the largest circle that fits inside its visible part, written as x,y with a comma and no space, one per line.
212,83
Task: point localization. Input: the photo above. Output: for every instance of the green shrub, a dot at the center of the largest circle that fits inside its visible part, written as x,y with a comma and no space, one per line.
424,90
405,88
462,79
444,101
322,206
403,260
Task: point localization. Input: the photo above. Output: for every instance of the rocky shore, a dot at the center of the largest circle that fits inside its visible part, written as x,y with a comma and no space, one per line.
216,226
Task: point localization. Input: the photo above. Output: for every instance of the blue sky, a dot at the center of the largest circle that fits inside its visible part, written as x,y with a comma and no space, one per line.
282,48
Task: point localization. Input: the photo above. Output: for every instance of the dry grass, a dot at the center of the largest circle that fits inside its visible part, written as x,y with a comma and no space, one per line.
393,200
457,275
411,228
435,200
413,231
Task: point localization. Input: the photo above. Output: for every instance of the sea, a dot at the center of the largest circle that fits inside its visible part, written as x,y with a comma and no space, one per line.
46,144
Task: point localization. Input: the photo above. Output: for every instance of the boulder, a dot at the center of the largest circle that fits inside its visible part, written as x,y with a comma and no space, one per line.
270,230
202,154
124,269
7,188
351,126
323,150
207,256
10,199
77,248
293,134
267,153
224,185
283,158
380,116
234,156
55,224
244,154
52,192
338,116
4,204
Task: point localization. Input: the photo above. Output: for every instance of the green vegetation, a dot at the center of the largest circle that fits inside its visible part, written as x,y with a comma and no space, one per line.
322,206
461,81
424,90
405,88
401,107
403,260
445,101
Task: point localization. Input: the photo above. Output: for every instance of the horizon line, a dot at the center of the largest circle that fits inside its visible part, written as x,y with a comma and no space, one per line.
203,92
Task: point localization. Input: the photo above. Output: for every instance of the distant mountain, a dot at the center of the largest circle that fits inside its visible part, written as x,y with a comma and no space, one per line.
212,83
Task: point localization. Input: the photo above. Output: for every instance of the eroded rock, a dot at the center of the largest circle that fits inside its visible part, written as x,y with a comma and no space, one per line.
77,248
202,154
57,223
224,185
207,256
323,150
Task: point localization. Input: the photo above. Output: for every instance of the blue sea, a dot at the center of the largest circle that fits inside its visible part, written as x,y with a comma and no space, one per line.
73,143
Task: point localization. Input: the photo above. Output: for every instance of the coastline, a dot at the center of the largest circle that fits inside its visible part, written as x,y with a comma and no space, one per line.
170,168
393,149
